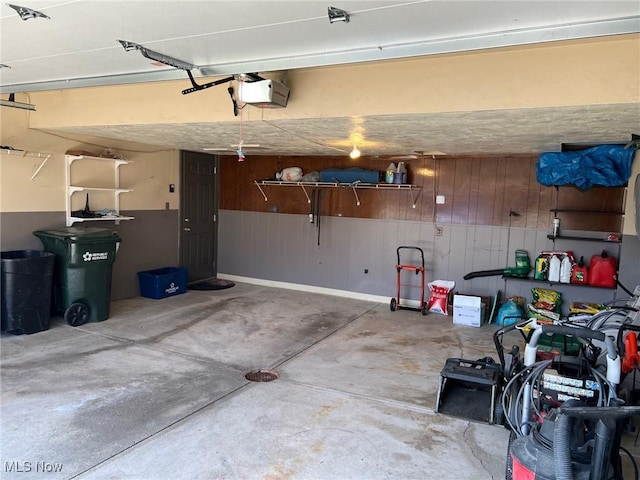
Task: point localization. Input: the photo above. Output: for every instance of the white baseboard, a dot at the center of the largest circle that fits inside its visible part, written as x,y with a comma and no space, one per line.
313,289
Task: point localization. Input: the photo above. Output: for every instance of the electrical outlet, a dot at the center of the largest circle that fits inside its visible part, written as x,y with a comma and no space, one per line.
366,270
438,231
172,188
439,199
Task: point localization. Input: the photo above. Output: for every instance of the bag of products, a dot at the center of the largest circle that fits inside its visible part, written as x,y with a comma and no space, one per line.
509,313
439,296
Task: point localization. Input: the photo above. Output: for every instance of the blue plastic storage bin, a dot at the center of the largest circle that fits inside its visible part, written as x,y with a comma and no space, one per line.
163,282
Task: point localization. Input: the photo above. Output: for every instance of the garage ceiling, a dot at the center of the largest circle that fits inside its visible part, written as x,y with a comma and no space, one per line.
78,46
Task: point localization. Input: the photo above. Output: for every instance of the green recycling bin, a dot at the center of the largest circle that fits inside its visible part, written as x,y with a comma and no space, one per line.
82,273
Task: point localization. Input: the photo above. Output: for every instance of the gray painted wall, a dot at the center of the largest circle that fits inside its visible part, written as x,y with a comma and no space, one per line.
283,247
629,273
148,242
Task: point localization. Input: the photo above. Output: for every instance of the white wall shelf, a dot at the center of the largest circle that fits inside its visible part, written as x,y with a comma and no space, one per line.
25,153
413,190
116,190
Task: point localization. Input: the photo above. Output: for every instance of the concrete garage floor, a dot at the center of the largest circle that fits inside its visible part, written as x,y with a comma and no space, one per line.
158,392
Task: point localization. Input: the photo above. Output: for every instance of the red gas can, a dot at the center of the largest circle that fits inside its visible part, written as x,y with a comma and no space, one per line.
602,271
580,273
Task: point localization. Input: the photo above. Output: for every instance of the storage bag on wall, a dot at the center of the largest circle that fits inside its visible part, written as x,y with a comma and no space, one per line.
605,165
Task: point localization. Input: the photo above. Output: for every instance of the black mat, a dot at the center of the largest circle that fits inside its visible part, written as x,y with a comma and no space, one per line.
215,284
462,401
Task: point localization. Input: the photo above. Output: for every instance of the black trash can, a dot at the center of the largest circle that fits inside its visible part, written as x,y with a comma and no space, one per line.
82,275
26,277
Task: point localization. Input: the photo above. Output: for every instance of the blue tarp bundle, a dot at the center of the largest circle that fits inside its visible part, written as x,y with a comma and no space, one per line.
605,165
349,175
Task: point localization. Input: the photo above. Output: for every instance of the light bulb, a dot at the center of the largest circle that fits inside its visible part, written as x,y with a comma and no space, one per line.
355,153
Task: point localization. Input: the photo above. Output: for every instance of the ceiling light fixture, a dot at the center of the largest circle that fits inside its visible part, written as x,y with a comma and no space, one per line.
27,13
355,153
337,15
13,104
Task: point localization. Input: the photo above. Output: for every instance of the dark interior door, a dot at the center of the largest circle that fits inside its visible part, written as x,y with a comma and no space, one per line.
199,214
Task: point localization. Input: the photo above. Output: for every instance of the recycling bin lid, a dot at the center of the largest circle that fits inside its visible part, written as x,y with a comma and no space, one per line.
81,235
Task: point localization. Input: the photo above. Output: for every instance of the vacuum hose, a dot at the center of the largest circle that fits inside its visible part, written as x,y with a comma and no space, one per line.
562,447
562,443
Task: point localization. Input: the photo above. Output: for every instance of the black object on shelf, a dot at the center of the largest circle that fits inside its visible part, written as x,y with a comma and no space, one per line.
86,213
535,280
586,239
587,212
576,146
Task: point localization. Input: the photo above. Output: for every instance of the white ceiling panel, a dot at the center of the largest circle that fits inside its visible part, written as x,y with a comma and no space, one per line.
79,47
79,42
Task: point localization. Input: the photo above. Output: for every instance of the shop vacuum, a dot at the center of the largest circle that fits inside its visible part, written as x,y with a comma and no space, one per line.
573,442
566,419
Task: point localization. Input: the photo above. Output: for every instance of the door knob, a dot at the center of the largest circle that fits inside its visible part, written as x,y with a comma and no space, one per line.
186,219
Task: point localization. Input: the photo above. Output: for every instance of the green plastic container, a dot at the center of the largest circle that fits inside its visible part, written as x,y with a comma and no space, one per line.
82,273
561,343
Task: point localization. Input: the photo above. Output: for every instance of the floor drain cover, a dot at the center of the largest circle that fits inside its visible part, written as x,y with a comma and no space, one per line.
262,376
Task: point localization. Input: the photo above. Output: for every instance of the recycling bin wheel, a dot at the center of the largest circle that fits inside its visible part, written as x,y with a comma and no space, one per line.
77,314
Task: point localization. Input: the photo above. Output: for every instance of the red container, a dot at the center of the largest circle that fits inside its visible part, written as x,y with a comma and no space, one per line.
580,273
602,272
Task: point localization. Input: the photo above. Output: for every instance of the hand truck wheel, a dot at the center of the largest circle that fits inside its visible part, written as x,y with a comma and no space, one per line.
424,308
77,314
393,305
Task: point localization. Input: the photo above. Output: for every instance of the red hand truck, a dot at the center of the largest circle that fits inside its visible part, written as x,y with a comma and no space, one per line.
419,270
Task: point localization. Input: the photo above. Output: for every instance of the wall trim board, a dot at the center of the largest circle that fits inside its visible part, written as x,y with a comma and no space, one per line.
311,289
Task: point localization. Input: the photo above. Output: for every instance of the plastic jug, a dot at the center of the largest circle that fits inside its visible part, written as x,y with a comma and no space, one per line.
565,269
401,174
554,268
390,173
542,264
602,271
580,273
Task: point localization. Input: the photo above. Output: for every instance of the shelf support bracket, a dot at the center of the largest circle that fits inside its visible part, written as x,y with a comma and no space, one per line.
261,191
414,199
305,193
353,187
40,167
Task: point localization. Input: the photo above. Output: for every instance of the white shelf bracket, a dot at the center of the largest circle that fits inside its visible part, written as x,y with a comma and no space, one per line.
48,156
353,187
261,191
24,153
305,193
414,199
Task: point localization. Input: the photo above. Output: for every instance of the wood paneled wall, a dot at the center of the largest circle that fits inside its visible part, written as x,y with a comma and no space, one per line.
483,190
